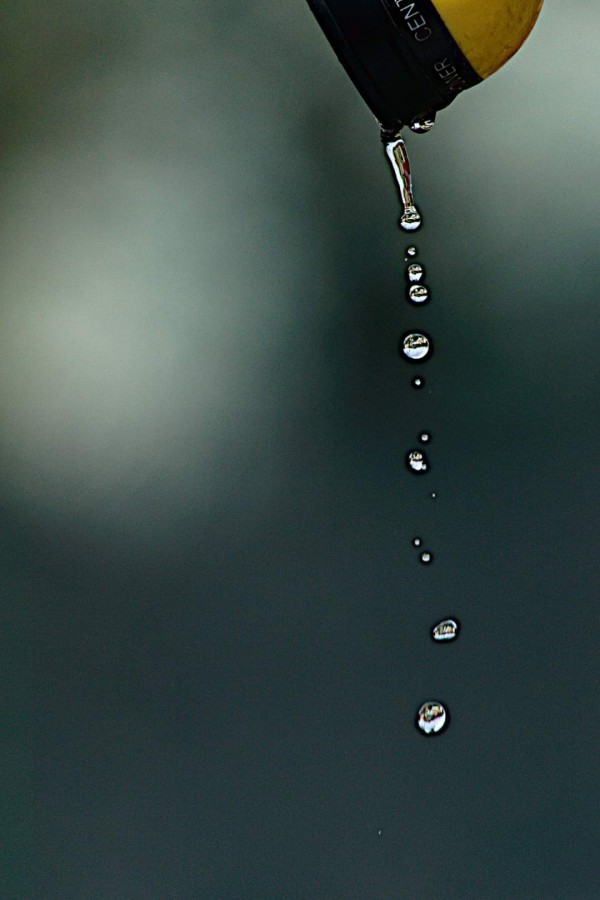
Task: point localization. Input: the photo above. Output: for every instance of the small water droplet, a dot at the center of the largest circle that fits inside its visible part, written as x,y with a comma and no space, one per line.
417,542
416,347
417,462
415,273
446,630
418,293
424,125
412,252
418,383
434,496
432,717
425,437
426,558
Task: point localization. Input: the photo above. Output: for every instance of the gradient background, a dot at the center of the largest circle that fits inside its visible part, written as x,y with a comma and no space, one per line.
214,628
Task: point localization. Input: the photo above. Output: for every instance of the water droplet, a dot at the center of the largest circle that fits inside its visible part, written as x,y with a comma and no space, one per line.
415,273
412,252
426,558
432,717
417,462
416,347
434,496
410,220
422,126
425,437
418,293
418,383
446,630
417,542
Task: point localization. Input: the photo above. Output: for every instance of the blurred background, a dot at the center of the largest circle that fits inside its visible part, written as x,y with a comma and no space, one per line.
215,630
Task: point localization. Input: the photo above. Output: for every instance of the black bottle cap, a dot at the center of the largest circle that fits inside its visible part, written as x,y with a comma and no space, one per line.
400,56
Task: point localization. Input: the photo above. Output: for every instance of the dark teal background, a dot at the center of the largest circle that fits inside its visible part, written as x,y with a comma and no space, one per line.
215,629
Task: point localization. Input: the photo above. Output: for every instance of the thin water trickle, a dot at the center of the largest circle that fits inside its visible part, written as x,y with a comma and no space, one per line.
415,273
417,462
410,220
422,126
445,631
432,717
418,293
416,346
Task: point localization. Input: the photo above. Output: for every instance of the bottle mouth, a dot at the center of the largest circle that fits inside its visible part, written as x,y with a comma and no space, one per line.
400,55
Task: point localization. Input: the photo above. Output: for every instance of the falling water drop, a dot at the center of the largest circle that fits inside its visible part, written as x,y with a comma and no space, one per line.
418,293
434,496
415,273
446,630
418,383
417,462
417,541
426,558
432,717
416,347
412,252
410,220
425,437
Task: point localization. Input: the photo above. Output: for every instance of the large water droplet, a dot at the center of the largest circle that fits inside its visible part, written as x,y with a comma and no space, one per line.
418,383
432,717
410,220
415,273
446,630
412,252
426,558
417,462
418,293
416,347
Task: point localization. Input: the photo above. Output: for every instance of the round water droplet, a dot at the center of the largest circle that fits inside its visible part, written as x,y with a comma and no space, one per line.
446,630
422,126
410,220
418,293
417,542
415,273
417,462
425,437
416,347
418,383
426,558
432,717
412,252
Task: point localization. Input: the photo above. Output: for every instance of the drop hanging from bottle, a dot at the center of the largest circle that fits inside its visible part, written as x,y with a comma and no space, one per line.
396,152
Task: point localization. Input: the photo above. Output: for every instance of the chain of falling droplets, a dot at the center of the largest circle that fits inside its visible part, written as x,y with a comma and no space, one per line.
432,717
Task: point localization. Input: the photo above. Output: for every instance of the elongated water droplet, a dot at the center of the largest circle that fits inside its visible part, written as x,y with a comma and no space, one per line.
410,220
416,347
446,630
417,462
412,252
425,437
432,717
418,383
418,293
415,273
417,541
426,558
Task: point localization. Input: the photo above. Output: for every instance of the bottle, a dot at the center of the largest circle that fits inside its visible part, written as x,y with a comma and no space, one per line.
411,59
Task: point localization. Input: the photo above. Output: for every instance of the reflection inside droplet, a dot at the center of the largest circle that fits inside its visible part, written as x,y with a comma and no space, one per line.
446,630
417,462
415,273
412,252
416,347
432,717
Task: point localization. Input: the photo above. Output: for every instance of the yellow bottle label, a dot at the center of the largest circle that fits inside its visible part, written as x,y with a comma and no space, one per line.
489,32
